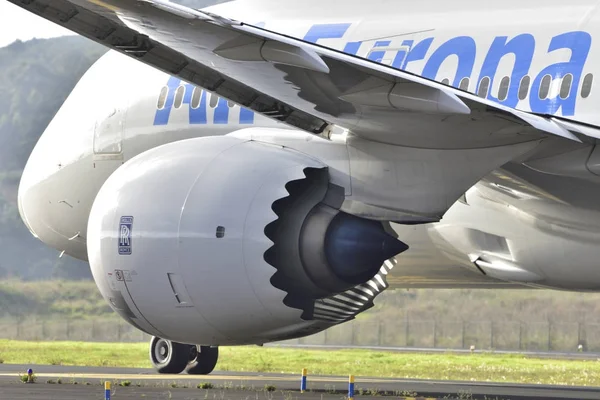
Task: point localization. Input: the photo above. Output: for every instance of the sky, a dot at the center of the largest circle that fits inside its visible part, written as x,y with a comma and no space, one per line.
16,23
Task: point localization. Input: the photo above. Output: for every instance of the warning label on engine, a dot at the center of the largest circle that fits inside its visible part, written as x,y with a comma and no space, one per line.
125,226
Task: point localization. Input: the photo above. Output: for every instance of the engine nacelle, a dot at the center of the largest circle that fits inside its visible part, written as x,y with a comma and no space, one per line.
223,240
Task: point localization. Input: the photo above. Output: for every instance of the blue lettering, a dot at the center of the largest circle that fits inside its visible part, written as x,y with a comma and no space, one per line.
162,116
221,115
418,52
352,47
463,47
326,31
401,55
198,116
246,116
377,56
187,96
579,43
522,46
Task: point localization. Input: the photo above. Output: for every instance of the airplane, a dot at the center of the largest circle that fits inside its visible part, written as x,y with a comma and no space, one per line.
261,170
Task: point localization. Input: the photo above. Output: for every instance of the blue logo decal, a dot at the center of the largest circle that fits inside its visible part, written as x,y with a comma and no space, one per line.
125,235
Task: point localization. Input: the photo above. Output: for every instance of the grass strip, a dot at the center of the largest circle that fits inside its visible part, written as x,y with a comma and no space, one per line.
465,367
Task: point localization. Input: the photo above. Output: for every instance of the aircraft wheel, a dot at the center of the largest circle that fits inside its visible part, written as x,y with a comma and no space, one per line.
203,360
168,357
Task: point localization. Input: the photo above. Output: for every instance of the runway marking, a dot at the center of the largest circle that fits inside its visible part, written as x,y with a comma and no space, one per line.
195,377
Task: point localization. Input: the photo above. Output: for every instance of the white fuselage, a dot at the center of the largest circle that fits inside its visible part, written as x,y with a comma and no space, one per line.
538,225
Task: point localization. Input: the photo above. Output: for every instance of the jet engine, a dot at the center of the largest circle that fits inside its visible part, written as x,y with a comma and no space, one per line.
222,241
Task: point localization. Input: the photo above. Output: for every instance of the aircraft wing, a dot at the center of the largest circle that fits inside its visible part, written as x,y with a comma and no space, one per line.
305,85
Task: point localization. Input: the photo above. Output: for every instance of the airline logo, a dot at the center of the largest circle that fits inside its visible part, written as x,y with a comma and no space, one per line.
572,47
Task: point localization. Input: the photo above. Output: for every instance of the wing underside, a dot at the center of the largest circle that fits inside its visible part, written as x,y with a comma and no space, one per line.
305,85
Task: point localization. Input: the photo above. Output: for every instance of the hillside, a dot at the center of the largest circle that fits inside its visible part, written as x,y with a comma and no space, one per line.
36,78
52,300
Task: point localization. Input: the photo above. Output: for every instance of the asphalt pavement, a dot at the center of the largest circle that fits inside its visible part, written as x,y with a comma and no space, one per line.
86,383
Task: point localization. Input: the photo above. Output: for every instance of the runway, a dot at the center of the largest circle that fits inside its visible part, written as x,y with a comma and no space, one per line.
86,383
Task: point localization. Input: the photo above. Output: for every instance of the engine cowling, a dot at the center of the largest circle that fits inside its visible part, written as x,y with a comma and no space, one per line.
223,240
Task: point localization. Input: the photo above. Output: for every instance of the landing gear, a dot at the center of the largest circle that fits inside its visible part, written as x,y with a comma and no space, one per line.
203,360
170,357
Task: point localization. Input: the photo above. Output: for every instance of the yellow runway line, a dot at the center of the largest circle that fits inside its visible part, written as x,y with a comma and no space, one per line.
190,377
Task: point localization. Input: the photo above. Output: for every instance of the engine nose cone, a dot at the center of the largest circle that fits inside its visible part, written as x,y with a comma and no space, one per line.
356,247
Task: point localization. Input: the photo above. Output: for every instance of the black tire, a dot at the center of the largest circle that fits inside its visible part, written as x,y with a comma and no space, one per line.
204,362
169,357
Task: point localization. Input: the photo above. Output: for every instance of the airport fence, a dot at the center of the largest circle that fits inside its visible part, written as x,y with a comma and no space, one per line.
483,335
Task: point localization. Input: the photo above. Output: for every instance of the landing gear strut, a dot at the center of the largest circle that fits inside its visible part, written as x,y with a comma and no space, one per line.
170,357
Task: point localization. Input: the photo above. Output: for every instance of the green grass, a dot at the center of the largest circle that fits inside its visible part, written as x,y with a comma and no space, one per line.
477,367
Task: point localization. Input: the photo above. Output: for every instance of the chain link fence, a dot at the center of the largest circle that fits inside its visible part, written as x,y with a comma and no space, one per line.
96,330
511,336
